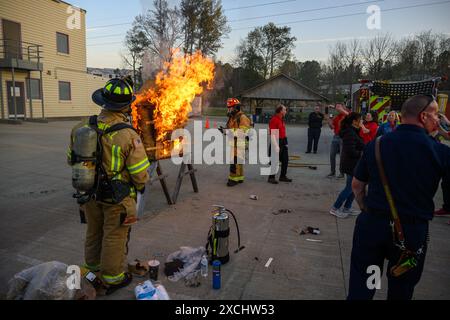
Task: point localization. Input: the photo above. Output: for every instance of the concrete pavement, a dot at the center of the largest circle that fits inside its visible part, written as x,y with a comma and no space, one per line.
40,222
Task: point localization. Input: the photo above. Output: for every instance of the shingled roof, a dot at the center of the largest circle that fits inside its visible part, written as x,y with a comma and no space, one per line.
282,87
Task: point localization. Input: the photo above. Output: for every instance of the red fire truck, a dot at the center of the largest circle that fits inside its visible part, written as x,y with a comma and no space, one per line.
384,96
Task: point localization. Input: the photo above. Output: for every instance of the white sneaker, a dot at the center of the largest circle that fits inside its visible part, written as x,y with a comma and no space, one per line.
351,212
338,213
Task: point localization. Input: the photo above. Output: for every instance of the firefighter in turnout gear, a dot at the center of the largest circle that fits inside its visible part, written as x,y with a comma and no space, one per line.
110,208
238,125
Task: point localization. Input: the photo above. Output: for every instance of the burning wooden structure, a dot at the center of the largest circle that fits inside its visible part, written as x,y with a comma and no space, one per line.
155,149
163,106
160,150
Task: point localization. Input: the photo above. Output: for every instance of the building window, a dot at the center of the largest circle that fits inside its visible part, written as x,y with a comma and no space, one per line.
64,91
62,43
34,88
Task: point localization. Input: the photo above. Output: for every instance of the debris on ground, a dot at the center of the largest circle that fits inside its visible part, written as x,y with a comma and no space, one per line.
171,267
268,262
254,197
48,281
297,229
190,257
148,291
193,280
139,268
314,240
281,211
310,230
256,258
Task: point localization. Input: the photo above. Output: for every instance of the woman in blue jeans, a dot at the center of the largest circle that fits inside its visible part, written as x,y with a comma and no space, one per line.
352,147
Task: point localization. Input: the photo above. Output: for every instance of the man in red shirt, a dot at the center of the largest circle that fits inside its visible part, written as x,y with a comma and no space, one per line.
335,125
279,142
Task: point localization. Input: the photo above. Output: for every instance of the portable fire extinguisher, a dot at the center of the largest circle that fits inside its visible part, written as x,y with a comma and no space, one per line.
219,233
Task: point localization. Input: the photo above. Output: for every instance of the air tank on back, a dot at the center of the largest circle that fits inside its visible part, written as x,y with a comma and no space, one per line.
84,149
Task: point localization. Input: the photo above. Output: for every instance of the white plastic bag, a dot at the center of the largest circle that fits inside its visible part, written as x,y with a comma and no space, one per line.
191,258
146,291
46,281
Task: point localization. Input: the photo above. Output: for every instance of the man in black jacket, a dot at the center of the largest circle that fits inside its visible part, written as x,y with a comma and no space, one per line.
315,124
414,164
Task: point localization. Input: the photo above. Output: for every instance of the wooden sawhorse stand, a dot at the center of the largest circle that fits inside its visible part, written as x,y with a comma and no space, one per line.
191,171
162,179
171,199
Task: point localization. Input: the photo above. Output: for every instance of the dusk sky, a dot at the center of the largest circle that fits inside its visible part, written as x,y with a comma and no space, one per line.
316,24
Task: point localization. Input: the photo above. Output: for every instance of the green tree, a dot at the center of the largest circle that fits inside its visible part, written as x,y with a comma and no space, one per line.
190,11
290,68
230,82
309,74
273,45
162,29
334,70
248,59
376,52
279,45
135,44
204,25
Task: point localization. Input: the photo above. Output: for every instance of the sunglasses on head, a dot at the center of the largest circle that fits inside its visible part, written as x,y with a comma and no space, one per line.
430,98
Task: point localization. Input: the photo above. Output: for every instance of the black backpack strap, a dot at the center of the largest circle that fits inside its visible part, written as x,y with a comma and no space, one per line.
93,120
119,126
93,123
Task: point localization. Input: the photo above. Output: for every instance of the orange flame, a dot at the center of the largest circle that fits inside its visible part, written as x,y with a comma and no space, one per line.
175,89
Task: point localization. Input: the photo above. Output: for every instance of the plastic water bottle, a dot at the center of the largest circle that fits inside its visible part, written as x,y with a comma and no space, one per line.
216,274
204,266
145,291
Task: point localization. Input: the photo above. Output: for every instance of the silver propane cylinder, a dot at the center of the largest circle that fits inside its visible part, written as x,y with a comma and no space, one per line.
84,148
220,234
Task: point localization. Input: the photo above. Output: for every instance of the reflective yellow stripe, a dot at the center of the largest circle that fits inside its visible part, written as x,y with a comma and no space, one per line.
114,279
116,159
112,134
237,179
117,177
119,165
108,87
132,192
126,91
102,126
113,158
92,268
372,99
117,90
69,153
139,167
